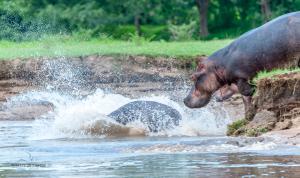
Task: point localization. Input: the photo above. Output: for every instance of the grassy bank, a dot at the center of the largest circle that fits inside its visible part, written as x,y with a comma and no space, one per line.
69,47
266,74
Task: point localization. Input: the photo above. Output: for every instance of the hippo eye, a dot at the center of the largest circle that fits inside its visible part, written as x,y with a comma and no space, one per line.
196,76
193,78
200,82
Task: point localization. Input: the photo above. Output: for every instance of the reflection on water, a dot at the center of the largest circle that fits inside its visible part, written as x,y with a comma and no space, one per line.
21,156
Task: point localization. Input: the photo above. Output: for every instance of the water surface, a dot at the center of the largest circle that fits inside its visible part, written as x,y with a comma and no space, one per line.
153,156
57,144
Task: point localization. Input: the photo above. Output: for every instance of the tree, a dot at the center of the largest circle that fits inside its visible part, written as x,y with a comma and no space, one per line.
136,10
202,6
265,10
137,24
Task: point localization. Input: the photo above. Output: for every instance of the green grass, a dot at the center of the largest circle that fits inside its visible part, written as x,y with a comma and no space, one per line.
52,47
233,127
254,132
266,74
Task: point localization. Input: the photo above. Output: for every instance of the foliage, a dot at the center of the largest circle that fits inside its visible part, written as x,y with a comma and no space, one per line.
182,32
139,40
265,74
31,19
254,132
123,32
235,126
83,35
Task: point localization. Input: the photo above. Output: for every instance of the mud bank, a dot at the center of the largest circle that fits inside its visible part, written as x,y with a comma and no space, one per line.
276,108
140,74
132,76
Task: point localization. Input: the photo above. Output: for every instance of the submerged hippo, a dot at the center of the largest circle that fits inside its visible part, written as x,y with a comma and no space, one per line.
264,48
155,115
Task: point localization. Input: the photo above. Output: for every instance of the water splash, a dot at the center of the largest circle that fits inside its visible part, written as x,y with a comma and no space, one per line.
76,117
75,114
64,76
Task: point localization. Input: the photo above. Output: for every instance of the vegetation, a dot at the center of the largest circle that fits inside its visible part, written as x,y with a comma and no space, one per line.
72,47
254,132
134,27
266,74
159,19
239,128
236,126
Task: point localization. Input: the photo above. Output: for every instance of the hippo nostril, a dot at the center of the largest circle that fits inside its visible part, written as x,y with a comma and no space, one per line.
185,101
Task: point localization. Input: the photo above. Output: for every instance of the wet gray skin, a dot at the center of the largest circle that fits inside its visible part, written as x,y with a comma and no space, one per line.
193,101
155,115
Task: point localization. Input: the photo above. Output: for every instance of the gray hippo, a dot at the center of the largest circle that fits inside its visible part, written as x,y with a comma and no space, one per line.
155,115
264,48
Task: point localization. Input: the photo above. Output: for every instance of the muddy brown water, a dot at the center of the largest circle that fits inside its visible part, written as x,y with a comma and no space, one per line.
53,142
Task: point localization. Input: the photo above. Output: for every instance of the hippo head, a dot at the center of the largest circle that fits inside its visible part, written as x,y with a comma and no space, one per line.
205,84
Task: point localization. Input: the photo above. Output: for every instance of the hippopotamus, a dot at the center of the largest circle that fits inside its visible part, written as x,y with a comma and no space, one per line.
226,92
155,115
261,49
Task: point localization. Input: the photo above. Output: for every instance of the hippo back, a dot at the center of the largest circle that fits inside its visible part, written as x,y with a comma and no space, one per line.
155,115
275,44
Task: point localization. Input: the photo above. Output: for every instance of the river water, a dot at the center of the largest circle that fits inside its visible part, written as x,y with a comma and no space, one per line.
58,144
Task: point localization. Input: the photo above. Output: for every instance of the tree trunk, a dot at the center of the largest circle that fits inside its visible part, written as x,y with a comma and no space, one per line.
137,24
202,6
265,10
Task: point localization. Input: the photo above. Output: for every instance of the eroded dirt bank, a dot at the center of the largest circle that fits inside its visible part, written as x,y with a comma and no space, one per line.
127,75
277,108
81,76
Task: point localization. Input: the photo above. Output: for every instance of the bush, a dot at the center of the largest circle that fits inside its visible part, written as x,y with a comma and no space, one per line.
225,34
182,32
117,32
124,32
15,28
232,128
254,132
83,34
159,32
139,40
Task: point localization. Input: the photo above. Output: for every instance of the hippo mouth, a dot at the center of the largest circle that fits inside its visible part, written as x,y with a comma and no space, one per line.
195,102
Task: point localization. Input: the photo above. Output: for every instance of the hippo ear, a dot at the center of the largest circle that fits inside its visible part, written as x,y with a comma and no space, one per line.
200,66
200,62
193,77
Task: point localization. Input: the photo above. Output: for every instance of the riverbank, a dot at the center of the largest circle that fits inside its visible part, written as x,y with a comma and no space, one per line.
276,109
130,76
136,76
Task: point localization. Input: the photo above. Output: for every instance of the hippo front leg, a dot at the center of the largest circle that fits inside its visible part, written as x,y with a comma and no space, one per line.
247,90
250,109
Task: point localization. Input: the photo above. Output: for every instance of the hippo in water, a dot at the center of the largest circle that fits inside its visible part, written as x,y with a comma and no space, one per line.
264,48
155,115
